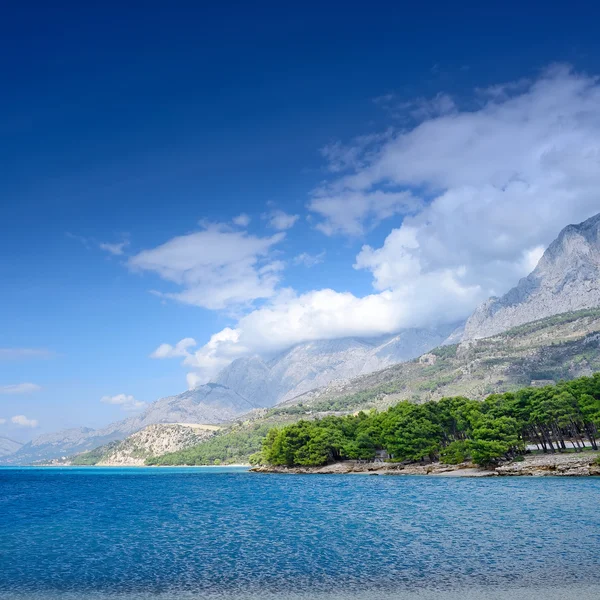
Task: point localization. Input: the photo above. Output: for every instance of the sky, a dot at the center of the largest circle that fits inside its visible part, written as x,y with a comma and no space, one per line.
182,185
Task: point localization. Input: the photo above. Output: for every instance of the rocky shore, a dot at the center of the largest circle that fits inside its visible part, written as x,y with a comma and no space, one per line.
573,465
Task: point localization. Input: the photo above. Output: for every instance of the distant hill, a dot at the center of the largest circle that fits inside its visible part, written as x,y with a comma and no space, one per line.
151,441
567,278
211,403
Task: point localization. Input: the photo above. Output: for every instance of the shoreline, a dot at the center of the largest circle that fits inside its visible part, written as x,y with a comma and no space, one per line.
557,465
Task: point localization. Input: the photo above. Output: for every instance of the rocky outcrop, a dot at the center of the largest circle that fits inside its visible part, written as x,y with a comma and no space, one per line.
582,464
567,278
574,465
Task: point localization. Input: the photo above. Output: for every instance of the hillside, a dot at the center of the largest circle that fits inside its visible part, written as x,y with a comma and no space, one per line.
560,347
151,441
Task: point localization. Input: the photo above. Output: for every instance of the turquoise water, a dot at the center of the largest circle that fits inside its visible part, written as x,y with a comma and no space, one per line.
225,533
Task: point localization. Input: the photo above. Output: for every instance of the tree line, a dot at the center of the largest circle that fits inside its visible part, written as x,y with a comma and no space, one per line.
451,430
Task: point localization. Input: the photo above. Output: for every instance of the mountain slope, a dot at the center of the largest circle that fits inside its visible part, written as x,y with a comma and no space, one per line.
567,278
154,440
314,364
558,347
8,446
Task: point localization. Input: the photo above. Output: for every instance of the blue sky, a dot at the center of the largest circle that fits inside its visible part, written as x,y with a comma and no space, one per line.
364,144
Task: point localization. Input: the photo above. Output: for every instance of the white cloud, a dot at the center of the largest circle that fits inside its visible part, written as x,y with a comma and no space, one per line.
168,351
326,314
25,353
216,268
2,421
125,401
218,352
116,249
194,380
20,388
23,421
497,184
309,260
280,220
354,213
481,193
242,220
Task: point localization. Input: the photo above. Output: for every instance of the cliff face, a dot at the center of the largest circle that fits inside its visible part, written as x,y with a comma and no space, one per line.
155,440
567,278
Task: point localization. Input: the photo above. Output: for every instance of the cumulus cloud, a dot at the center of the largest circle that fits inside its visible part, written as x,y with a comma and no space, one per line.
481,192
242,220
2,421
23,421
25,353
215,268
280,220
20,388
125,401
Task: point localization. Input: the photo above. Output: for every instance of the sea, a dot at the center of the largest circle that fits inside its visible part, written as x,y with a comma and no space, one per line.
216,533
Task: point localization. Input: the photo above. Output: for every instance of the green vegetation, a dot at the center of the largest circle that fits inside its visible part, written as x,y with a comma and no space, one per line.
452,430
226,448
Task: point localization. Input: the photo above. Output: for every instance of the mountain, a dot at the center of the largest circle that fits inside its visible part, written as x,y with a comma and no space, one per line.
315,364
558,347
248,383
208,404
8,446
563,346
567,278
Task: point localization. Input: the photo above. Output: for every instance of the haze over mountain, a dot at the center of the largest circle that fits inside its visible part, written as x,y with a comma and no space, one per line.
211,403
567,278
313,364
8,446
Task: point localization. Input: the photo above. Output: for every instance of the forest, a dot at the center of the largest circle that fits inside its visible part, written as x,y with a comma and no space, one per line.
554,418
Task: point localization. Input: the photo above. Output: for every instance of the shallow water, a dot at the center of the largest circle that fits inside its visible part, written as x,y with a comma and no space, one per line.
224,533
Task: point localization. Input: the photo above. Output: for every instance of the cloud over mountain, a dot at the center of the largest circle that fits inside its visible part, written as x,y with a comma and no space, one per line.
482,191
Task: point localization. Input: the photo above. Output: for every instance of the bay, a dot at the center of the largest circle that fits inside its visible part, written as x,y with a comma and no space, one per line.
195,533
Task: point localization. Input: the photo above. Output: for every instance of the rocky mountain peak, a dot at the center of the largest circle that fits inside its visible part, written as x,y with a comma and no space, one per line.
567,278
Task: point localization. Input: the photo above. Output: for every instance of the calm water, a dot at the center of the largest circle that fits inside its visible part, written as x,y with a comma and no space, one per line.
225,533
